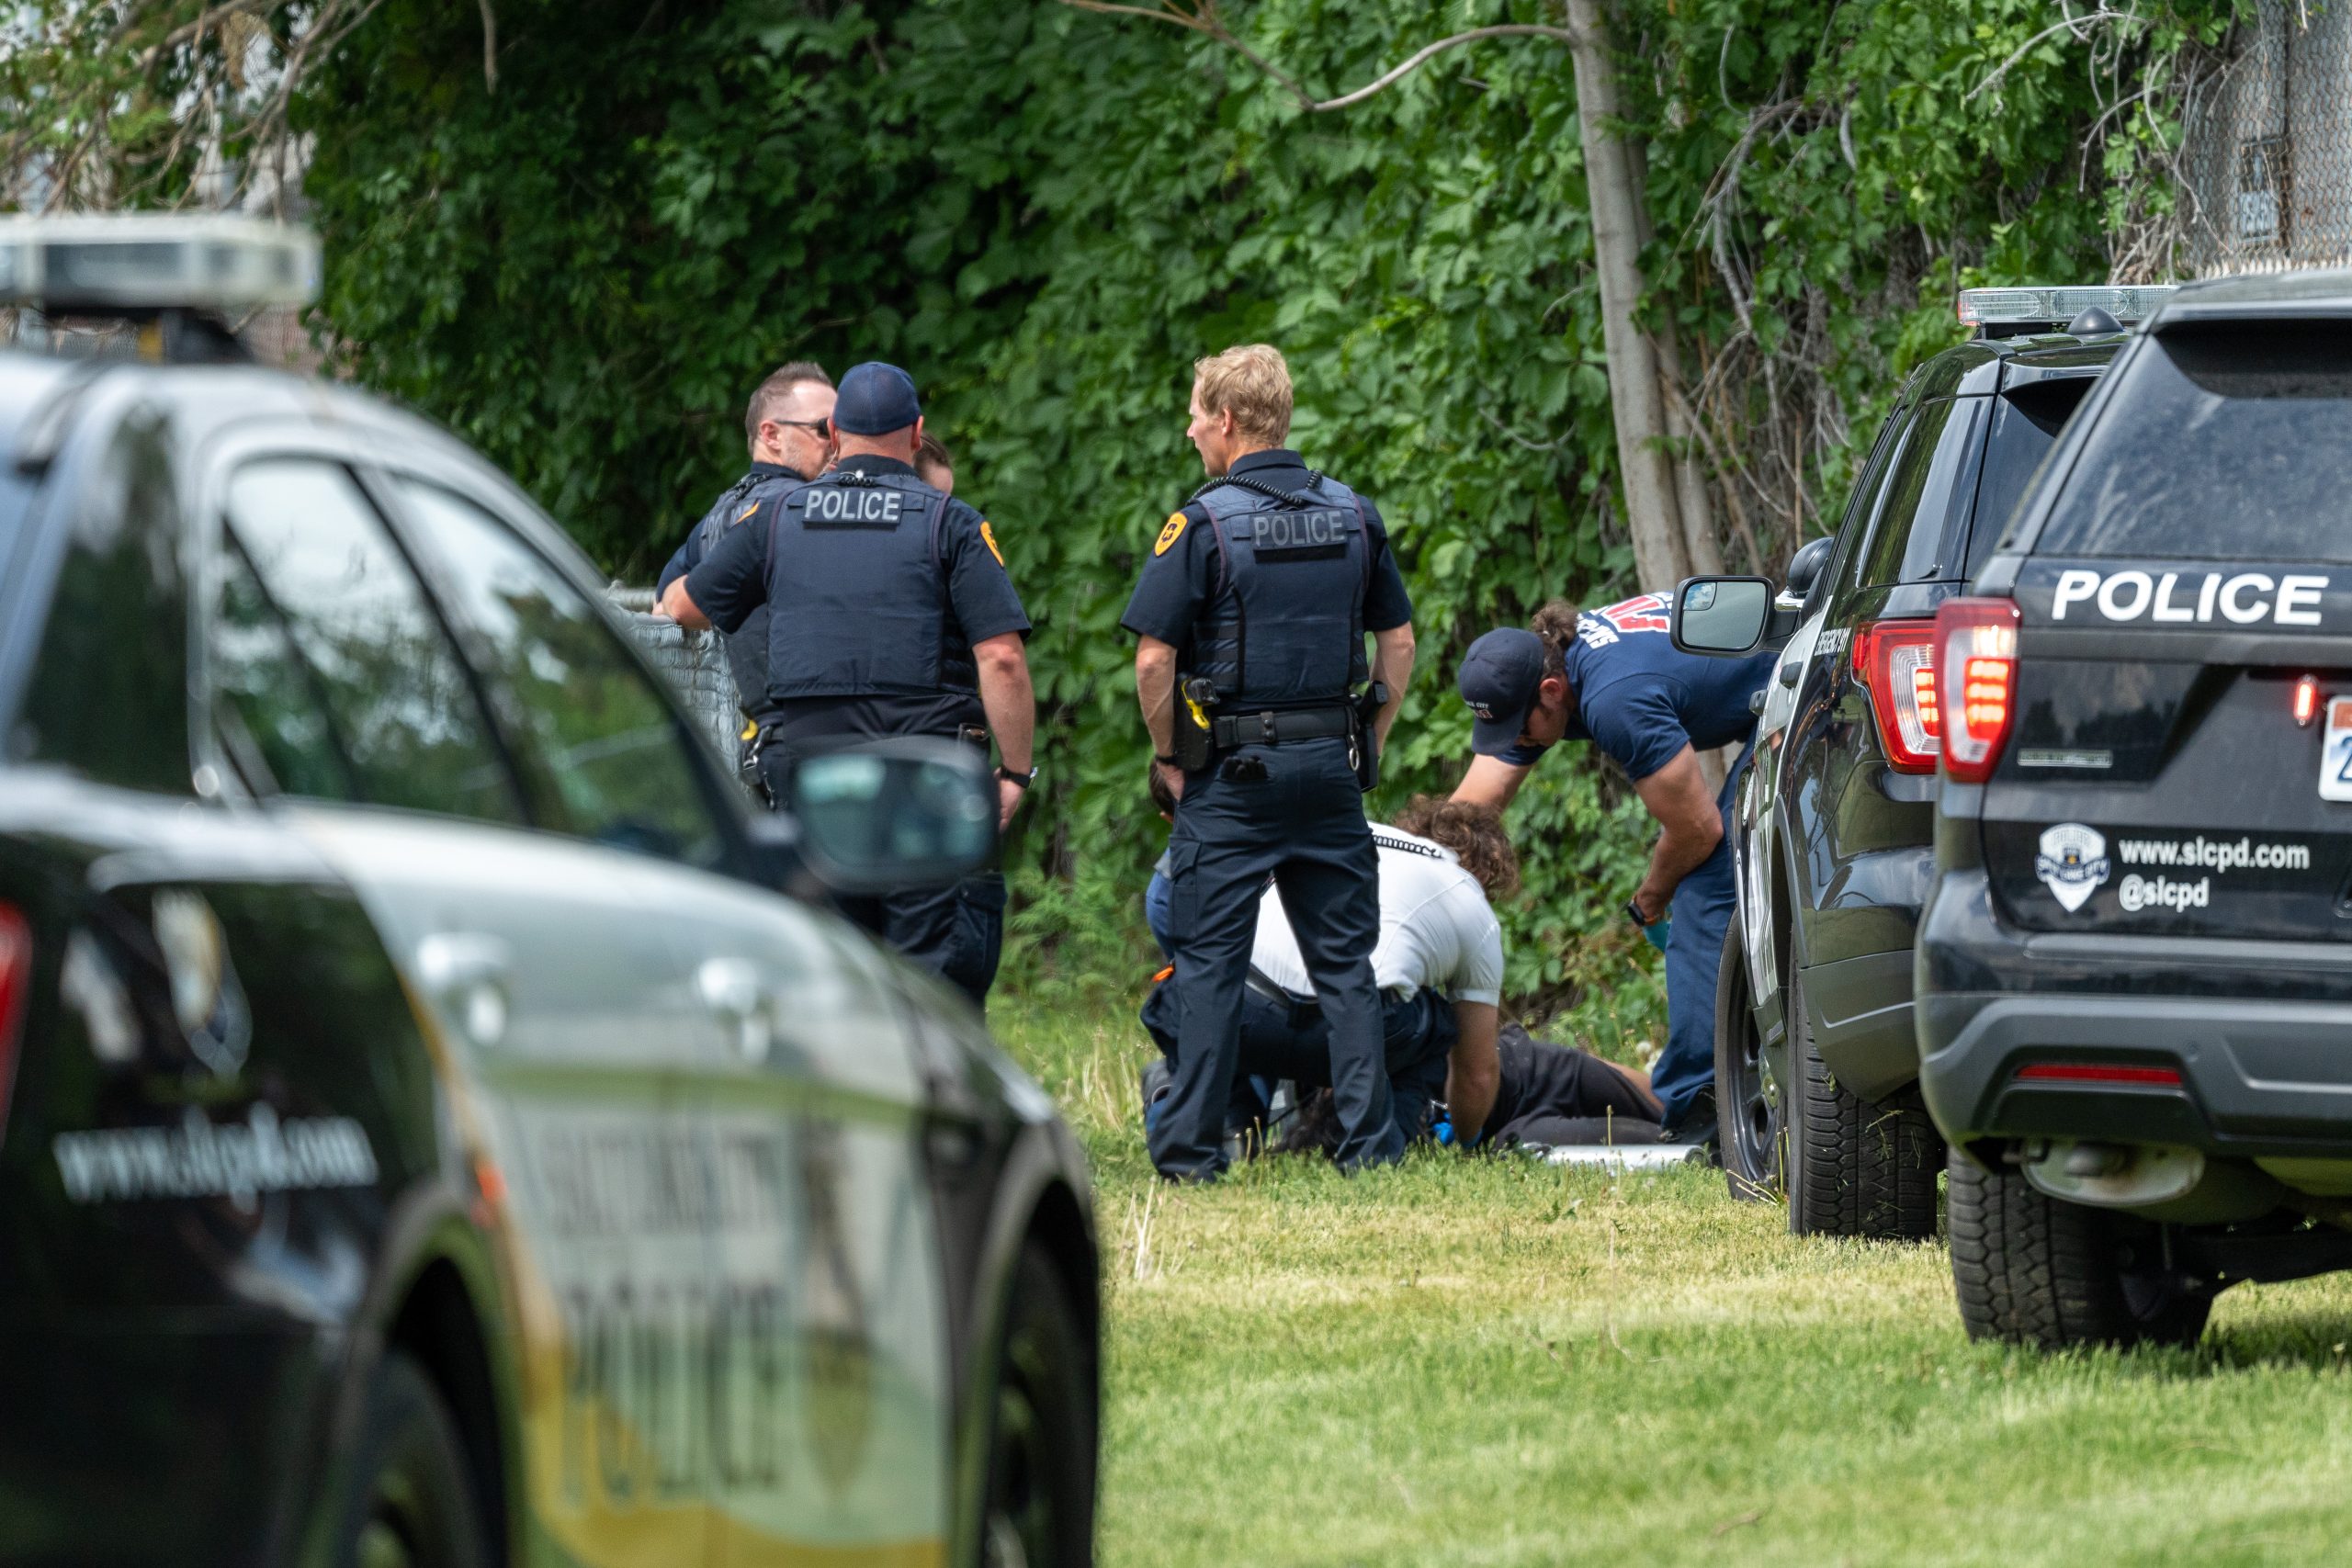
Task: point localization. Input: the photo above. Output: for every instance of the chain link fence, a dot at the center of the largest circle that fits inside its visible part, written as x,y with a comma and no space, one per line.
693,660
2267,161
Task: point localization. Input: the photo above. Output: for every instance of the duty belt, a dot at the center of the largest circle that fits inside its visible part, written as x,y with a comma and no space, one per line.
1302,1011
1305,1011
1275,726
761,731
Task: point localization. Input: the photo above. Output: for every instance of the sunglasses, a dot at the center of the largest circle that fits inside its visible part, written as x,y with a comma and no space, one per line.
816,427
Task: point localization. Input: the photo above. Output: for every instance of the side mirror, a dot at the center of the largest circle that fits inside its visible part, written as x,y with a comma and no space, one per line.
895,815
1726,616
1805,568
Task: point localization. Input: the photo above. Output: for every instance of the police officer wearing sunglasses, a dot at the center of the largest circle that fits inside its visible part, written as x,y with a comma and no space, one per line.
790,441
890,614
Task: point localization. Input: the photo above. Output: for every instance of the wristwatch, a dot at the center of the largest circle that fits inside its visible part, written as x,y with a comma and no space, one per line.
1167,761
1023,780
1634,913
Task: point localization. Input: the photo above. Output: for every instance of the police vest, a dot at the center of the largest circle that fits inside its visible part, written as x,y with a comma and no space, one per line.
1285,626
747,651
857,592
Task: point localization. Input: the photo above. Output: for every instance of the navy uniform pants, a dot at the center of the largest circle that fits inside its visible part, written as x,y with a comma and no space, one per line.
1701,907
1288,1039
955,932
1300,822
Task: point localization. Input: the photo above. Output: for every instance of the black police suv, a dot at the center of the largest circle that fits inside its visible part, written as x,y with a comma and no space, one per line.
1815,1061
429,1134
2134,965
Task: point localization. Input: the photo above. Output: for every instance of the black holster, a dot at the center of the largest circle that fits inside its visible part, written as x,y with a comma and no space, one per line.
747,767
1193,695
1364,746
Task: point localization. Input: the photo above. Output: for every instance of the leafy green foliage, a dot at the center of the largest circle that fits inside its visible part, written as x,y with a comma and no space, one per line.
1047,215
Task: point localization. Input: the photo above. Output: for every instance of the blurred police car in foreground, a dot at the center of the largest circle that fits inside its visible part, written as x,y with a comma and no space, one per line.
427,1132
2134,964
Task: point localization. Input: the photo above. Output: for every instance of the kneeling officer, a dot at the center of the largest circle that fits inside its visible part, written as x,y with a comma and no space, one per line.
891,615
1251,615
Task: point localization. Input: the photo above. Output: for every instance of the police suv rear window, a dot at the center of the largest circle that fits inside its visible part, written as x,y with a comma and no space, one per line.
1927,499
2224,441
2026,423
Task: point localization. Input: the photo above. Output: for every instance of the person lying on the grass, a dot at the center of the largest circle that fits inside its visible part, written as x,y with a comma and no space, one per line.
1438,962
1549,1096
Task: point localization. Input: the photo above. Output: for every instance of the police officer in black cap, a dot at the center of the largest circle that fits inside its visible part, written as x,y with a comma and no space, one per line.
791,443
1265,721
891,613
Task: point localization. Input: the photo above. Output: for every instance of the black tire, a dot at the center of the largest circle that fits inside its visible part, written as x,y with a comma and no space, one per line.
1748,1096
410,1504
1856,1167
1039,1511
2034,1270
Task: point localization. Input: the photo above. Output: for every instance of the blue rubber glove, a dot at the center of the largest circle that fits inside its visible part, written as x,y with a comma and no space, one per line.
1443,1132
1656,932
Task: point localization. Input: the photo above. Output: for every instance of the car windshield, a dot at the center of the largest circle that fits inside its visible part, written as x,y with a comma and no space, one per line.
2224,441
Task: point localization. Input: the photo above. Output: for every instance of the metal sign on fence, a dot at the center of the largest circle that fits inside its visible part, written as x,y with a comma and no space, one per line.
2268,156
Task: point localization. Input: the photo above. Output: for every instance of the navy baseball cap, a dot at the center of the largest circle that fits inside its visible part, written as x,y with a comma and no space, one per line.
875,399
1498,680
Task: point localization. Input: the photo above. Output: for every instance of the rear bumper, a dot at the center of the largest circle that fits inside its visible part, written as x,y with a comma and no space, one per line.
2264,1072
2257,1077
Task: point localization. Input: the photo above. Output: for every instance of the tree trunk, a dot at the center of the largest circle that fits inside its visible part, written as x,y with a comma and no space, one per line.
1654,508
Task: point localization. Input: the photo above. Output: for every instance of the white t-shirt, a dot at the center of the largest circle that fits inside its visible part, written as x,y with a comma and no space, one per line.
1437,931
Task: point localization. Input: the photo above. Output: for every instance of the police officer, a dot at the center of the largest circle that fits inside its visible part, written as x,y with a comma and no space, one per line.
891,613
1252,613
785,428
1613,677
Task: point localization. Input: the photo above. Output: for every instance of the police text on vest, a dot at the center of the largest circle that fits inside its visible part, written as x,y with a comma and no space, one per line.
843,503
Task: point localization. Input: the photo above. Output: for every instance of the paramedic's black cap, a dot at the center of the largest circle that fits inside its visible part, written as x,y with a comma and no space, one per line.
875,399
1499,675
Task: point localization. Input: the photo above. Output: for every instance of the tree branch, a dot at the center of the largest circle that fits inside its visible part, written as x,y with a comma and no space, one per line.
2068,26
1429,51
1202,18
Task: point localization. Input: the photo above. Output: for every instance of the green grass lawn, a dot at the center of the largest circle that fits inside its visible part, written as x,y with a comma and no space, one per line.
1493,1362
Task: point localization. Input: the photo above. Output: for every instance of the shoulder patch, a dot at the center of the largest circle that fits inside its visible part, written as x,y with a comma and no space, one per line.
744,515
988,538
1169,535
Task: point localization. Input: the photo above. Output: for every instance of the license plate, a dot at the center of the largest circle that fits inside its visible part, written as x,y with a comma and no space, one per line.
2336,756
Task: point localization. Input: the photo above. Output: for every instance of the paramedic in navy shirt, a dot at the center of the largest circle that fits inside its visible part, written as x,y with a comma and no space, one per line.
1613,677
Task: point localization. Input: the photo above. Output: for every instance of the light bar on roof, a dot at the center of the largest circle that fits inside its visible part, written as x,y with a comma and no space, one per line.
2056,306
155,261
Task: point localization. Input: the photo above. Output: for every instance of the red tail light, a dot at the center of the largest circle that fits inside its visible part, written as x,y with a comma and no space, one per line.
1896,660
1976,670
2098,1072
16,982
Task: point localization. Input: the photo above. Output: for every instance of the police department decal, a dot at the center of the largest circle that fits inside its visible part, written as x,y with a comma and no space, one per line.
988,538
1169,535
2191,598
2073,864
201,1158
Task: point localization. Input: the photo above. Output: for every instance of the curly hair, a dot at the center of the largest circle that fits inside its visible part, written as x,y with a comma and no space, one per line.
1556,623
1474,834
